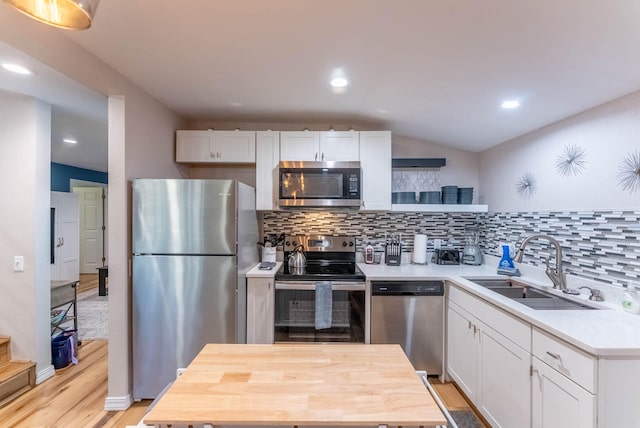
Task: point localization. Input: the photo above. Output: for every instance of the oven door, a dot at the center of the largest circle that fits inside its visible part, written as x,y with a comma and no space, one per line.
295,312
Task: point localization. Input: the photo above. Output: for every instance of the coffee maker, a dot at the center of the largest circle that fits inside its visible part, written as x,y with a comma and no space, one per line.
472,254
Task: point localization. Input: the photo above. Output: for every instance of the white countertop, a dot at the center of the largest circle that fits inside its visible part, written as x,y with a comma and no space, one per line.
605,333
259,273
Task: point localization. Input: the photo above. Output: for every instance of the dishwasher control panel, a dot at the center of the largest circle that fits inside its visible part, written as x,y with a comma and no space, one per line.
415,288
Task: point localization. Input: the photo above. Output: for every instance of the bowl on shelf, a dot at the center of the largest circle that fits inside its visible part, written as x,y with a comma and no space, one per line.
430,197
403,198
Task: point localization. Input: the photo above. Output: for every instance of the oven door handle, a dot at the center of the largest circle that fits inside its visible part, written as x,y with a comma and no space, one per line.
311,286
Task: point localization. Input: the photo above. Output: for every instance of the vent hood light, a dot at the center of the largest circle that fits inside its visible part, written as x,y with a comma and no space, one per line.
15,68
70,141
510,104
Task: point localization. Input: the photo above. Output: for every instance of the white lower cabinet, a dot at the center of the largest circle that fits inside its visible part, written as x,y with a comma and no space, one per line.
260,310
563,385
559,402
490,364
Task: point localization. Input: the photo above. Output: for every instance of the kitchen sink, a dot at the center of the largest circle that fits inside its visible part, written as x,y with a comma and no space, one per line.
529,296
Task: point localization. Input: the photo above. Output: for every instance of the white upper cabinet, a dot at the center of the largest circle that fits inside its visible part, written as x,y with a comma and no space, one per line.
339,146
375,161
216,146
319,146
267,144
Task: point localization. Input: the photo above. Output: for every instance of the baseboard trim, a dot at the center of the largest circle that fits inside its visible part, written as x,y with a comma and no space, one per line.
45,374
118,403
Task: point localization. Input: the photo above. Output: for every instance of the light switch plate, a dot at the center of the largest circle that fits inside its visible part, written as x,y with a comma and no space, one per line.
18,263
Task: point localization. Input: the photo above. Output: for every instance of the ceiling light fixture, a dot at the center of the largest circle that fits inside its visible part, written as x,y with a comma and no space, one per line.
15,68
510,104
70,141
67,14
339,82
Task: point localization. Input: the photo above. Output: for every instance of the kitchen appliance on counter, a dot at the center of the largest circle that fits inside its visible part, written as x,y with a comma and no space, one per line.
193,242
411,314
472,254
319,184
301,293
446,256
393,249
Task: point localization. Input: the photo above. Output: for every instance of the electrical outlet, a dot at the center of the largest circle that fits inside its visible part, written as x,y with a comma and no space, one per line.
18,264
437,243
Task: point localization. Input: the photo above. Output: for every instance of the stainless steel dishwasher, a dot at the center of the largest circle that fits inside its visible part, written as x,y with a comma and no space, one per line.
411,314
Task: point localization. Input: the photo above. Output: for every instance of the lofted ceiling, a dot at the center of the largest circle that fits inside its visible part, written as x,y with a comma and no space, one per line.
434,70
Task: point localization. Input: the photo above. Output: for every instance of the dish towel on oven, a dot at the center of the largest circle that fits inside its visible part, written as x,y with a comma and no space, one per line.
324,302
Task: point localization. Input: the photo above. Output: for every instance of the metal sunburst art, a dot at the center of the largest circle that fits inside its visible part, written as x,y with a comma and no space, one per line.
572,160
629,172
526,186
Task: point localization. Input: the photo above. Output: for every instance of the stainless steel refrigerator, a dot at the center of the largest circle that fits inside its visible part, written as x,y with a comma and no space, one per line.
193,242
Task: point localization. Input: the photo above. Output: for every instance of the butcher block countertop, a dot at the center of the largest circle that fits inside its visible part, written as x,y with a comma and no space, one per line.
306,385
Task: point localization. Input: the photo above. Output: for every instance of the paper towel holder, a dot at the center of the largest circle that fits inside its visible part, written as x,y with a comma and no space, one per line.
419,256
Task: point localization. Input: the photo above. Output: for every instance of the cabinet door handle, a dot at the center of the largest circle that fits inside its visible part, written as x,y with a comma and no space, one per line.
470,325
315,157
62,241
554,356
322,156
212,155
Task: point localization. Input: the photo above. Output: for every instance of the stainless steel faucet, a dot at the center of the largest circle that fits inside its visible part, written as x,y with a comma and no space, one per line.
555,275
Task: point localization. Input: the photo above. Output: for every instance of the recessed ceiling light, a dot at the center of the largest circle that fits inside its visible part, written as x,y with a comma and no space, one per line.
236,104
382,111
339,82
15,68
70,141
510,104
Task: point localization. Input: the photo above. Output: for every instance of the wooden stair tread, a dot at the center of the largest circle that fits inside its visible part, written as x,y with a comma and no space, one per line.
12,368
4,339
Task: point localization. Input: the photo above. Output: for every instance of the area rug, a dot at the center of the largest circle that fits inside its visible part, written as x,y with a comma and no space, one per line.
93,315
466,419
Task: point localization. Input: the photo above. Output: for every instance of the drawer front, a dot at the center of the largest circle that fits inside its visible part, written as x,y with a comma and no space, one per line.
517,331
568,360
63,294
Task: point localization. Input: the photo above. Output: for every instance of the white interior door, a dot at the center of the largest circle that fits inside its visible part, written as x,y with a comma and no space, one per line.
92,227
67,236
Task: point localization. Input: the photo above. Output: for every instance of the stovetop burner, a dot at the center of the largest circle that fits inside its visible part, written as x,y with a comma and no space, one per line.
329,258
332,271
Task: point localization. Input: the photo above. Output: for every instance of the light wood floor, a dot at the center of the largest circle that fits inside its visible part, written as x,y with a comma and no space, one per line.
75,396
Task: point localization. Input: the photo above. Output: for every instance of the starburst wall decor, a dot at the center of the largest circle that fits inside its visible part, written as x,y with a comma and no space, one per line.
526,186
629,172
572,160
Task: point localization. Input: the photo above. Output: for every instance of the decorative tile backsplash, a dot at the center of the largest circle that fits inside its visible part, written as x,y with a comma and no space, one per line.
600,245
371,227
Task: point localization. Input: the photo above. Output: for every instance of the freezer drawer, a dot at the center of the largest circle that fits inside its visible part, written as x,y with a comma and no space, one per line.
180,303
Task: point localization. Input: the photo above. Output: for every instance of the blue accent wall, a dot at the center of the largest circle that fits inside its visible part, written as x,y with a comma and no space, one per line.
61,174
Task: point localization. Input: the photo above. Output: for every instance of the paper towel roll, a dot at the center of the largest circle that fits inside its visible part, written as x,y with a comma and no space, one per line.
420,249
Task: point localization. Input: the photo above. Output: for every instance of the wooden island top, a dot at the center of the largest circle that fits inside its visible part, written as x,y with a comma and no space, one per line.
298,384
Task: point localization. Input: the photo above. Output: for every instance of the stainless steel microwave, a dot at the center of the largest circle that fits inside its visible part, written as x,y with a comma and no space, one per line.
319,184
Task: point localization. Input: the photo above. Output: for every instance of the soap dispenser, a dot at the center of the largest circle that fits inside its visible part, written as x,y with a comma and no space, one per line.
631,300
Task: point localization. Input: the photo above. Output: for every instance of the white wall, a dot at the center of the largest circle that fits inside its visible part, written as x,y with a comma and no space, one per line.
607,133
141,144
25,130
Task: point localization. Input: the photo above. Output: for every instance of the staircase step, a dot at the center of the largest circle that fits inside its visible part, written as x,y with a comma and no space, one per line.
5,351
16,377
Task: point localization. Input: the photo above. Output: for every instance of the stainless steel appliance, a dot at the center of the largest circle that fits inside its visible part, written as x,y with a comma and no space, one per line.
319,184
331,270
411,314
471,253
446,256
193,242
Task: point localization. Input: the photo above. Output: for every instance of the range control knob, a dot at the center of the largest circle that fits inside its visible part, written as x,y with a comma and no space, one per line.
294,243
287,243
351,244
344,244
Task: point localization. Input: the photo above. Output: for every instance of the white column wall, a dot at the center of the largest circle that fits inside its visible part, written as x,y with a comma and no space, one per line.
25,134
